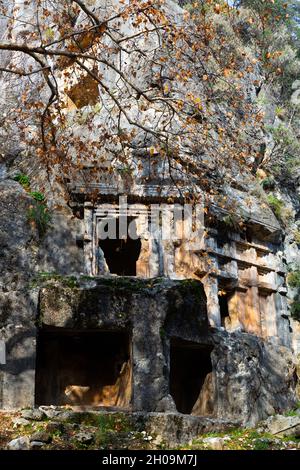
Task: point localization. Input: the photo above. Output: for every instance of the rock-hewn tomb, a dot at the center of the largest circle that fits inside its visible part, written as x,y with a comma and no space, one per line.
147,323
155,325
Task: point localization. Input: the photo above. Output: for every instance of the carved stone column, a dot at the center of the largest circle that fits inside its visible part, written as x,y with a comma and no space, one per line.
237,310
268,314
253,320
213,308
88,241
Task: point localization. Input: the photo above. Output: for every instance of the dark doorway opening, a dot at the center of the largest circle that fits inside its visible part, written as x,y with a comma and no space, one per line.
190,373
122,254
83,368
224,309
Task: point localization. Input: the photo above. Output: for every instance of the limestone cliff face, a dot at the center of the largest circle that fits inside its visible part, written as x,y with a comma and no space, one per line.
280,177
235,325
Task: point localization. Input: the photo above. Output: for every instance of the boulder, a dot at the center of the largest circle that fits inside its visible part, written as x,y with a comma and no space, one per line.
20,443
282,426
35,414
214,443
65,416
50,411
20,422
41,436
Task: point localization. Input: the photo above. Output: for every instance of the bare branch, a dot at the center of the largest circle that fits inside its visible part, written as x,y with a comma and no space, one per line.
22,73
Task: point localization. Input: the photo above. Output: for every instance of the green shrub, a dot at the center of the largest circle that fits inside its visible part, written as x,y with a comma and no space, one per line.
268,183
37,196
262,444
40,216
295,309
296,234
23,180
276,205
293,278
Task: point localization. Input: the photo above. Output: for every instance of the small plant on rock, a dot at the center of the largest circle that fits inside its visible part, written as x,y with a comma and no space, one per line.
268,183
233,222
276,205
23,180
293,280
40,216
37,196
296,234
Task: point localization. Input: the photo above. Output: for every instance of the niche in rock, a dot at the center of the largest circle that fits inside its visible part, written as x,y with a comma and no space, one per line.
191,378
83,368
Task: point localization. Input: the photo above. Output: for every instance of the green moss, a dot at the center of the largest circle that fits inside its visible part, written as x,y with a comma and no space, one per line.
276,205
240,439
43,278
101,420
193,286
37,196
132,285
291,413
262,444
162,333
23,179
87,278
110,428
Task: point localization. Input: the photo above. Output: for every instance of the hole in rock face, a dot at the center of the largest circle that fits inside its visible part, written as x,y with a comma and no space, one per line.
121,254
83,368
191,380
224,308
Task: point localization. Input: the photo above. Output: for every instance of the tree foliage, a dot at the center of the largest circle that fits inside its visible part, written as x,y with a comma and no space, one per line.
95,86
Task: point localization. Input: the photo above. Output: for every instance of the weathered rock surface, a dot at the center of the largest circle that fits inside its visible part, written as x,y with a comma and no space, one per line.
41,436
283,426
16,236
214,443
34,414
176,428
17,422
54,427
58,251
17,305
20,443
243,384
120,430
250,378
49,411
84,437
253,378
36,445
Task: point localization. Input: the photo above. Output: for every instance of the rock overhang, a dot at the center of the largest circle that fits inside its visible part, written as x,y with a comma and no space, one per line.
117,301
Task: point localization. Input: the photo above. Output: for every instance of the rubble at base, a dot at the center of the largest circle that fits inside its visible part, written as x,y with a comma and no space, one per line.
71,430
